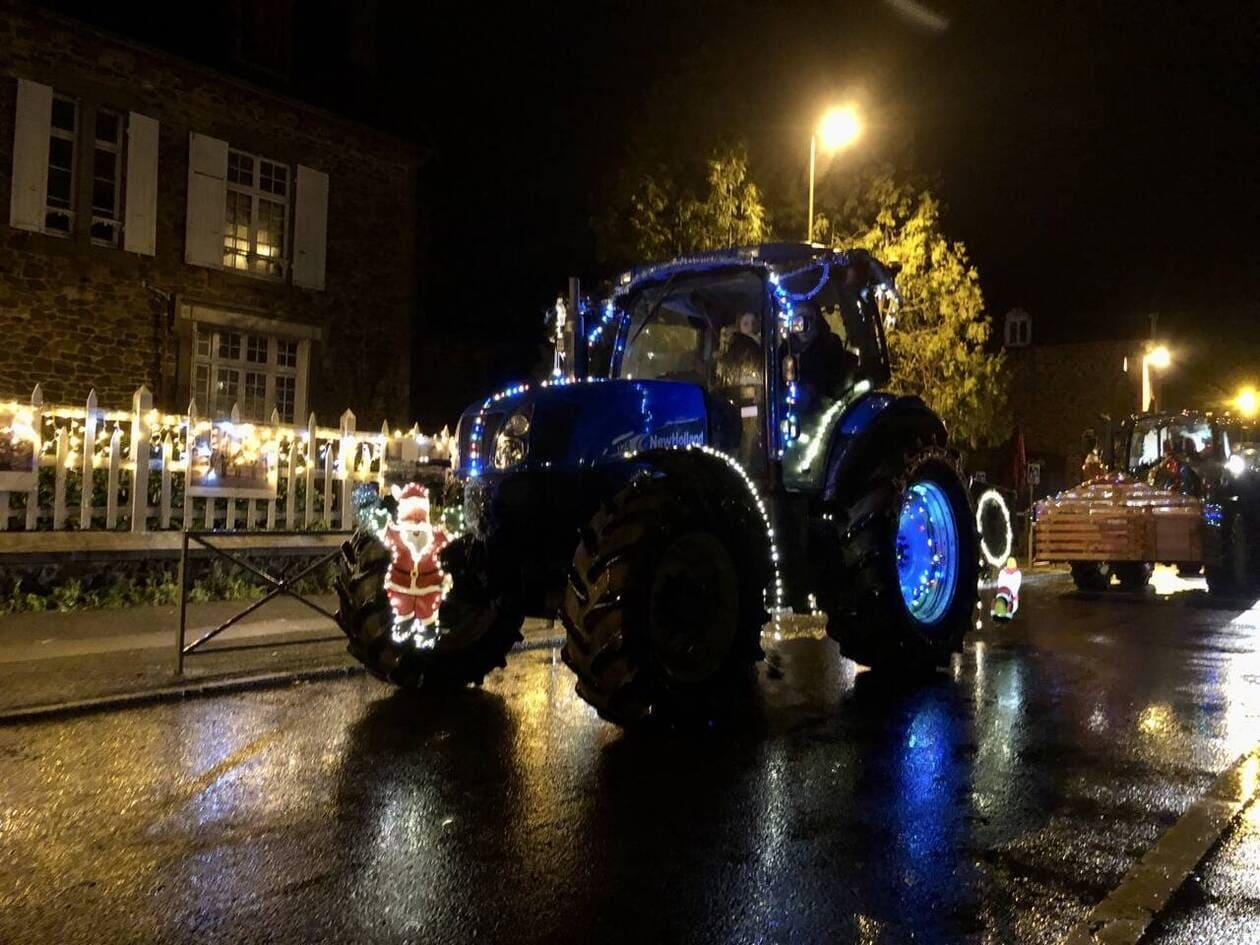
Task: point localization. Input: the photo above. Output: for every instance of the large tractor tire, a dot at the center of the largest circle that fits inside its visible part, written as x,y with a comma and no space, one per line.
908,563
665,600
1132,575
1236,574
1091,575
476,627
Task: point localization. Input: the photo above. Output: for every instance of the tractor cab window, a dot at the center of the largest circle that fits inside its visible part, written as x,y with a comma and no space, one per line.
669,340
708,330
836,341
1156,440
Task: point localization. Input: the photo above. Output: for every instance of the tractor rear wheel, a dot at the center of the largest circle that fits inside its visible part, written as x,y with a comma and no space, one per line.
664,605
1237,573
1132,575
1091,575
908,564
474,632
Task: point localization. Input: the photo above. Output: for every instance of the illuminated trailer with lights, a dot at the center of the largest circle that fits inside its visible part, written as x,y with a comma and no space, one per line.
717,449
1185,494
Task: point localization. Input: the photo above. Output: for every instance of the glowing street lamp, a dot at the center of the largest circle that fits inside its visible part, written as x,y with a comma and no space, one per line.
837,129
1157,357
1247,403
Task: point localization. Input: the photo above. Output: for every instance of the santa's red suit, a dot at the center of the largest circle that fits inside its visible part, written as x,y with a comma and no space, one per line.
416,583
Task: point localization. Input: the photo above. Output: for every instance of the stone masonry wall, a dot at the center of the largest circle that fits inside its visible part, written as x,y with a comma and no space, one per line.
75,316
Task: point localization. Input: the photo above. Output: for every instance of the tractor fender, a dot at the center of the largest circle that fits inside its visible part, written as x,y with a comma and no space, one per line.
872,426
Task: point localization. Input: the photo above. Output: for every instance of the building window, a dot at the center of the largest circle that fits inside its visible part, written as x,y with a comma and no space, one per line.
107,178
1018,329
254,372
59,202
255,235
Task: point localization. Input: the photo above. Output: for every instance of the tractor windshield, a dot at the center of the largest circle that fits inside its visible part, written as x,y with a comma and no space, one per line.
1154,440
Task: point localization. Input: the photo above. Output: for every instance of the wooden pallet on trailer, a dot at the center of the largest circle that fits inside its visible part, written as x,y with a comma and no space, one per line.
1118,520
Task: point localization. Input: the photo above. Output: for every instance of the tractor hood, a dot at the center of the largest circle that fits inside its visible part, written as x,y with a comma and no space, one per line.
569,424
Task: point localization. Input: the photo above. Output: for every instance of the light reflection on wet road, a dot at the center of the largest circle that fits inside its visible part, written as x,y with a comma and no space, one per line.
996,803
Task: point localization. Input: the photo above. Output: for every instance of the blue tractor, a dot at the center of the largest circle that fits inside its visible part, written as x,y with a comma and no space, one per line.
725,452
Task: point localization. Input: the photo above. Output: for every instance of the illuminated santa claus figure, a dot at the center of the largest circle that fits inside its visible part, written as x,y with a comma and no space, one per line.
416,583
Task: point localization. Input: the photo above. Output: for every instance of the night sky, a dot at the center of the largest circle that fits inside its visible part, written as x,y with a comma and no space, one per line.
1099,159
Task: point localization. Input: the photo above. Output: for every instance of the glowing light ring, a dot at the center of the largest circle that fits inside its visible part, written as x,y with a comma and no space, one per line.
987,498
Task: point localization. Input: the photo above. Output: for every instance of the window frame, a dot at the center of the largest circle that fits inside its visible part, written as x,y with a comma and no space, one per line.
71,136
116,148
255,195
274,370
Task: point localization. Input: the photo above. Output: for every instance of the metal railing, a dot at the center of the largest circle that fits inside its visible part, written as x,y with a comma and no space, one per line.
280,586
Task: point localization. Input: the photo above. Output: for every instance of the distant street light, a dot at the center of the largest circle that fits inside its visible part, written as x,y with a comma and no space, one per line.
1247,403
837,129
1157,357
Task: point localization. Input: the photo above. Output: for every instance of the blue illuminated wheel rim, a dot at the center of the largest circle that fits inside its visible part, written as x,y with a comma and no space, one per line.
927,552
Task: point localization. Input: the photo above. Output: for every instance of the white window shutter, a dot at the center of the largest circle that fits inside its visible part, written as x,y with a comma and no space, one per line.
207,201
30,155
140,214
310,228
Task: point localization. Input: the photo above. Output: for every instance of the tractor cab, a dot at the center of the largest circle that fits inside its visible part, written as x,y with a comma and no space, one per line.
779,343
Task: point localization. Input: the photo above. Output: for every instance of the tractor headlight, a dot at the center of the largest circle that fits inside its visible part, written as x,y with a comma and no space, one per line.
512,443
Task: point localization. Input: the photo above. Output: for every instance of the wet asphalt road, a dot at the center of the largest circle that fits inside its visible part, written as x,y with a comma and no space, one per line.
997,803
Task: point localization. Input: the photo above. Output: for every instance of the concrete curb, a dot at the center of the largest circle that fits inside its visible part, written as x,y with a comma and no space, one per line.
202,688
1124,916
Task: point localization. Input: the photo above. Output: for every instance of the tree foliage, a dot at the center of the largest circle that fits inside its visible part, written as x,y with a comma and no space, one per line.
666,218
939,342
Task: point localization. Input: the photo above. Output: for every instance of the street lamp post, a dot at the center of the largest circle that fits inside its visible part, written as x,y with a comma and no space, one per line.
838,128
1157,357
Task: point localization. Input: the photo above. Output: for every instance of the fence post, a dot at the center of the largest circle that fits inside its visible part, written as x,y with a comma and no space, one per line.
141,404
329,485
229,522
37,424
348,454
189,437
312,457
89,454
271,503
59,479
164,504
290,496
111,483
381,457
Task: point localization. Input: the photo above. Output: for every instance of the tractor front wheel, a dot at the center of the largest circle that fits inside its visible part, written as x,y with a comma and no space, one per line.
474,631
664,605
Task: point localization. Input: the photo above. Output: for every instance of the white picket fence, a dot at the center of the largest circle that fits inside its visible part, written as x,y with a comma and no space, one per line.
142,456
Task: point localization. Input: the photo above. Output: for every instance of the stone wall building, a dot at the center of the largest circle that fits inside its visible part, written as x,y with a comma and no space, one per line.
174,226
